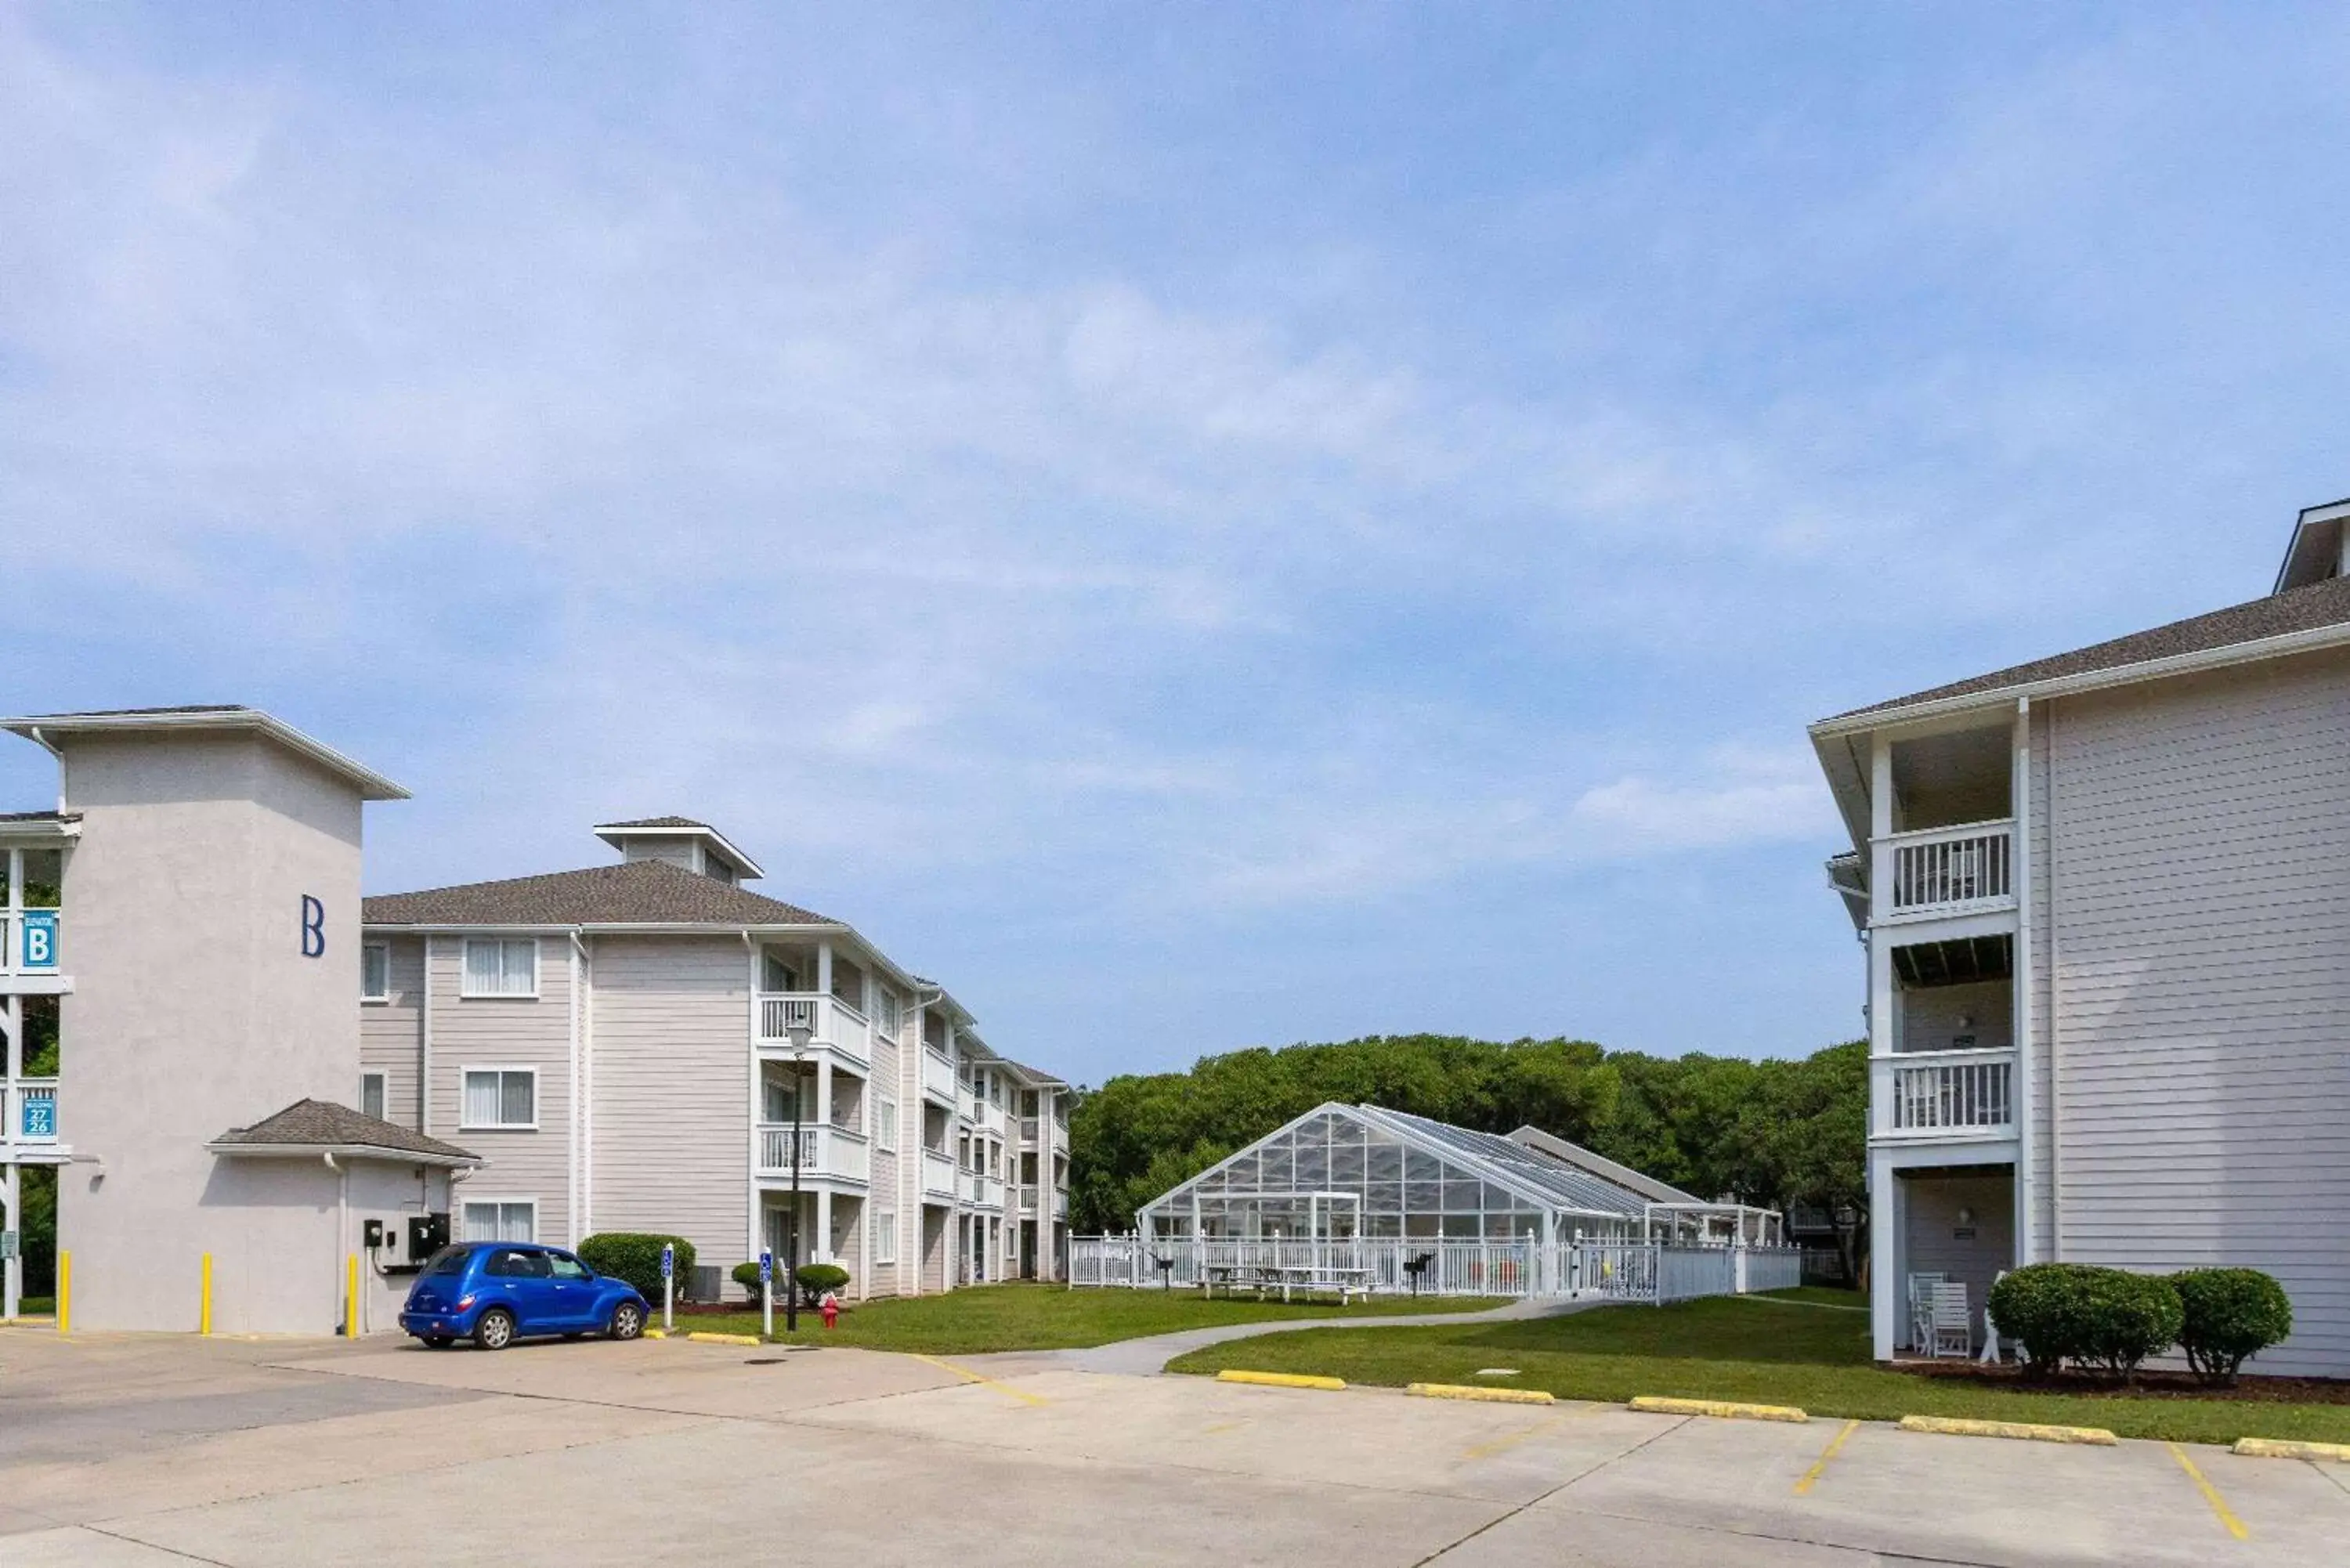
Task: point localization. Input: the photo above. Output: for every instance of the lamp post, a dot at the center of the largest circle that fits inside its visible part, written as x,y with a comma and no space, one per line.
798,1031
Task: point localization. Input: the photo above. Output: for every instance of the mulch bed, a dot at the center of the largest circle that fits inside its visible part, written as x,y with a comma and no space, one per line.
2010,1376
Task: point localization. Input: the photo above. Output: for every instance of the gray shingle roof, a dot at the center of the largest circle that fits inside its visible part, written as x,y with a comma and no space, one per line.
312,1124
657,821
2321,603
634,892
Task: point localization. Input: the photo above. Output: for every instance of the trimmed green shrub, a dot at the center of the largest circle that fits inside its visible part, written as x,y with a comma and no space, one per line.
747,1276
817,1278
2231,1315
2108,1320
636,1258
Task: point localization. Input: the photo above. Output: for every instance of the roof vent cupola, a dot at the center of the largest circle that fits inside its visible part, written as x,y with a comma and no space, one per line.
682,842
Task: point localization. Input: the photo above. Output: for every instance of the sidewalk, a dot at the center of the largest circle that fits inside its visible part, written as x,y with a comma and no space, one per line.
1147,1357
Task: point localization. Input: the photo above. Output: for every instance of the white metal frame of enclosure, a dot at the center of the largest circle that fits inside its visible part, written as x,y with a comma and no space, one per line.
1650,1272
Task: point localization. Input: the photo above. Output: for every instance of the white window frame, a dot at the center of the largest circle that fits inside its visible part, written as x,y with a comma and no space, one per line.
888,1011
369,950
885,1236
464,1077
884,1130
382,1095
501,1205
465,990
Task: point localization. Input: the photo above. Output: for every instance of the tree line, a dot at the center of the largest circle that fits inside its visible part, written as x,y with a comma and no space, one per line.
1774,1133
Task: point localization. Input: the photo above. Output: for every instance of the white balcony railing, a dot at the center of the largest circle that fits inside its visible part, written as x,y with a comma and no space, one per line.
1949,870
983,1190
28,939
31,1105
938,1175
823,1151
938,1077
1942,1094
829,1020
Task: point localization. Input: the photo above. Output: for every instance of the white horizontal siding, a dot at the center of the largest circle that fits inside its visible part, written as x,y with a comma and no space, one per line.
673,1097
388,1037
2201,895
508,1031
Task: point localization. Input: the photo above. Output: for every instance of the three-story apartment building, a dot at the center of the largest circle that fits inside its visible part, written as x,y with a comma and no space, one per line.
2105,899
649,1045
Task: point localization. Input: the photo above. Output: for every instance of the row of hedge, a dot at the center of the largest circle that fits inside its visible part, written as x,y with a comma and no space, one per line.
2108,1321
635,1256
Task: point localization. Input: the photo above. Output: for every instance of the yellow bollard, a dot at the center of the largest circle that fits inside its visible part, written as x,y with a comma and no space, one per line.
351,1297
65,1291
204,1314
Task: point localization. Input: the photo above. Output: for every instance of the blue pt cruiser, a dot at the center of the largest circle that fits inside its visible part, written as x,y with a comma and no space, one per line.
494,1292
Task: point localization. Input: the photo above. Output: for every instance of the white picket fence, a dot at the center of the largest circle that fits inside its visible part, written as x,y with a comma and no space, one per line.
1618,1271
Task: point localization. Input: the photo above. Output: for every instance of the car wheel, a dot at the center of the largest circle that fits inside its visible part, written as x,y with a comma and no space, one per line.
495,1331
437,1342
628,1321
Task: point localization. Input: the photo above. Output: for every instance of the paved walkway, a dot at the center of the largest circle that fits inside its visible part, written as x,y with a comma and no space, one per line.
1147,1357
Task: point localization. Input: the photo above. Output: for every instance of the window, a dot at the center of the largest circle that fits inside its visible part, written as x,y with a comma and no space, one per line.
885,1237
884,1130
501,1097
509,1220
372,1094
501,968
563,1266
375,972
887,1013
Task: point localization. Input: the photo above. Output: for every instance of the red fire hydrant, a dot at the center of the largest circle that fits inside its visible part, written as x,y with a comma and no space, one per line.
831,1308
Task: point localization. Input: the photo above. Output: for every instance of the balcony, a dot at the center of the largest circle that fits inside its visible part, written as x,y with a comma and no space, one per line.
28,939
939,1077
983,1190
1941,1095
830,1020
831,1152
1942,871
32,1113
938,1175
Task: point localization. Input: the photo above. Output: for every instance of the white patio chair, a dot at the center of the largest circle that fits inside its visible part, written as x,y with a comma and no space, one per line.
1921,1309
1953,1331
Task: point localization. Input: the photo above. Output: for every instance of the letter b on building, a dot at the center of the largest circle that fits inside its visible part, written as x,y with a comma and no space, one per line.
314,927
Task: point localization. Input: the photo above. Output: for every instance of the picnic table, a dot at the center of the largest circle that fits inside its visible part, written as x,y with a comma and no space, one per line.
1285,1278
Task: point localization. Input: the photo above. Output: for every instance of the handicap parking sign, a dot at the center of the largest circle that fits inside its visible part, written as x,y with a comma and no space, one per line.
37,940
766,1266
669,1260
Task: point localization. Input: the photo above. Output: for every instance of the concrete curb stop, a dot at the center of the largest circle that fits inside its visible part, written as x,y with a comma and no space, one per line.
2286,1448
1279,1379
699,1338
1727,1410
2028,1431
1470,1391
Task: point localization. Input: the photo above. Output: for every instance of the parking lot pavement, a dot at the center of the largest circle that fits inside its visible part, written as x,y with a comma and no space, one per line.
672,1452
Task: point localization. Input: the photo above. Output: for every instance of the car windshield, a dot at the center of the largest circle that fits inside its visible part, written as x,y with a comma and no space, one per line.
448,1261
566,1267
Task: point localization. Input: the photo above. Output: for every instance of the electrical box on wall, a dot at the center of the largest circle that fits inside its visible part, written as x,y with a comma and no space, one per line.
427,1234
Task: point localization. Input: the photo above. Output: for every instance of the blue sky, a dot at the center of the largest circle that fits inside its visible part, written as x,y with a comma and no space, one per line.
1198,530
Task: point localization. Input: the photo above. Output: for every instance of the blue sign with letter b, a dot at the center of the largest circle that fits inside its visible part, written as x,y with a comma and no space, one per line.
37,940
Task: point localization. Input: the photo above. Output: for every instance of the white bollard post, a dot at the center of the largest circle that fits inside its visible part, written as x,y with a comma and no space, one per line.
767,1295
669,1287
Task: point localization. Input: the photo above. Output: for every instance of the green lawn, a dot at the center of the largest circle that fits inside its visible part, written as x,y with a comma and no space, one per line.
1047,1317
1799,1350
36,1306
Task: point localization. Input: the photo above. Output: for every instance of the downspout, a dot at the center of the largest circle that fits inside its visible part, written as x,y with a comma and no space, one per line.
571,1128
2055,997
2028,889
342,1226
583,1033
752,1228
424,1045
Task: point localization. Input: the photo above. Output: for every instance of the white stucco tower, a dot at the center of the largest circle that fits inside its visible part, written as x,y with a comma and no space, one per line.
207,948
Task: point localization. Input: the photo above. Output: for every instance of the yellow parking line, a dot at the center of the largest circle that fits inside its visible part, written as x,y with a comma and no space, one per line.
968,1375
1811,1475
2210,1493
1509,1440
